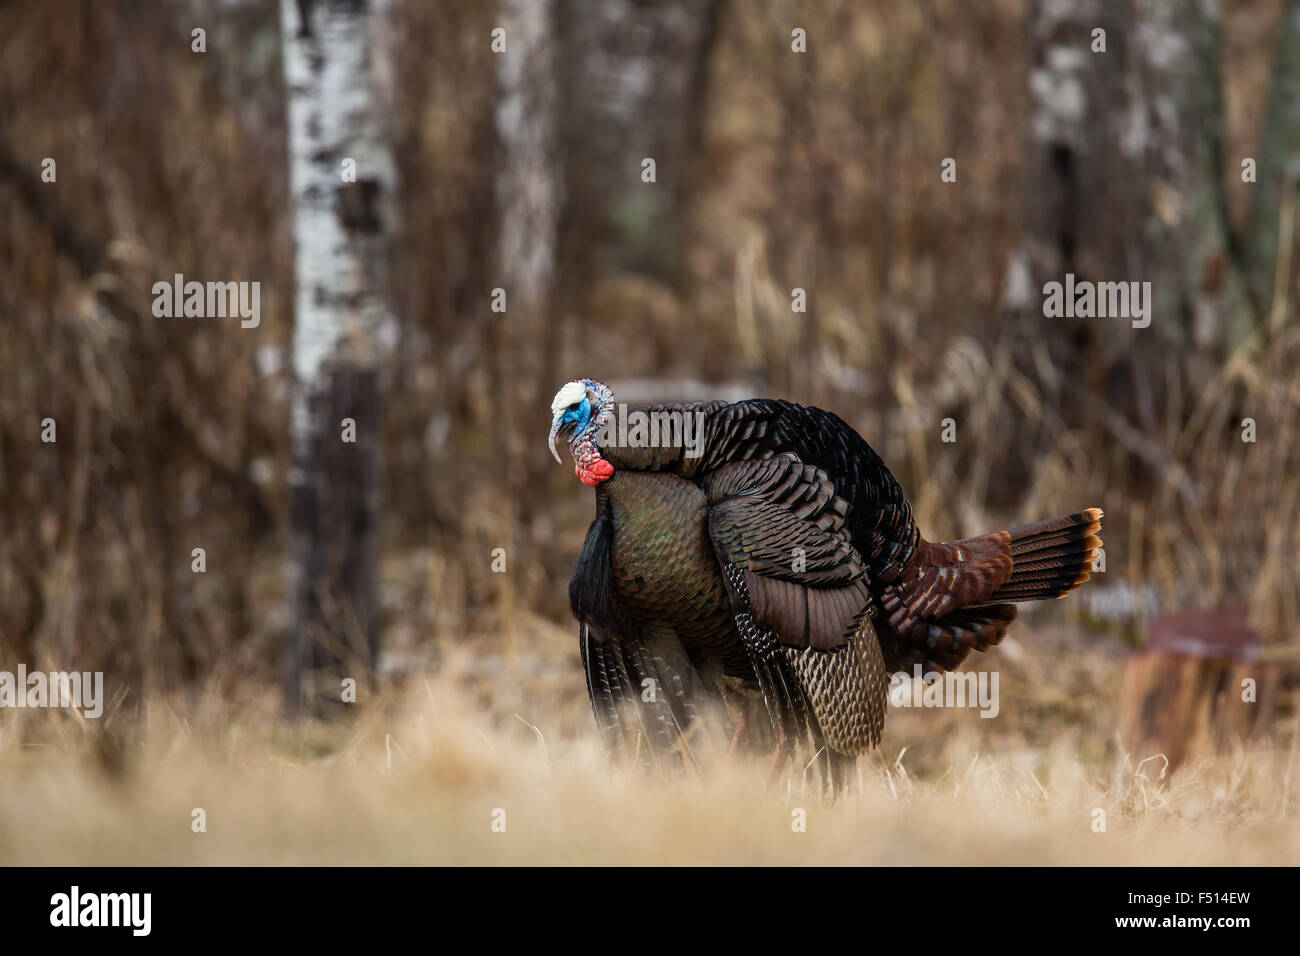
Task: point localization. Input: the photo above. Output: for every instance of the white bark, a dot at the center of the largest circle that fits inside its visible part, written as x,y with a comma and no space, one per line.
530,186
332,117
341,312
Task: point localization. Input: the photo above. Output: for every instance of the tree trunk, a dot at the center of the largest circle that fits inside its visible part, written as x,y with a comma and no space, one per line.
1275,175
1128,176
340,223
530,197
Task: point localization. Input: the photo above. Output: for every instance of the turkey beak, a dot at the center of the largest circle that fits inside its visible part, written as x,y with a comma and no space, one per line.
555,430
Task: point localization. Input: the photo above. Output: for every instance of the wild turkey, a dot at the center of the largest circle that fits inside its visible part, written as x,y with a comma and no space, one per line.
776,553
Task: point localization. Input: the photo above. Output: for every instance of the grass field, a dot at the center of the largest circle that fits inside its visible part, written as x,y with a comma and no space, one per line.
416,776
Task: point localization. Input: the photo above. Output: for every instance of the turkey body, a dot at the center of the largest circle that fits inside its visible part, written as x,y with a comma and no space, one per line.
783,558
664,573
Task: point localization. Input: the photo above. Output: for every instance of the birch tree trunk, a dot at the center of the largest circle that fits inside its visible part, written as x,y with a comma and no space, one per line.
529,199
1125,183
530,185
1129,168
341,184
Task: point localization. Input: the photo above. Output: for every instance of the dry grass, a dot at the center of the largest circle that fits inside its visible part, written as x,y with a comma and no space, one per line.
415,779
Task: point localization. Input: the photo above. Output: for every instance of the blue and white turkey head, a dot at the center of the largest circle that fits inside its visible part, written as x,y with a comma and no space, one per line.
583,407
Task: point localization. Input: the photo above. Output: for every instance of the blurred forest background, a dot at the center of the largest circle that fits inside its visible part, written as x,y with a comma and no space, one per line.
522,170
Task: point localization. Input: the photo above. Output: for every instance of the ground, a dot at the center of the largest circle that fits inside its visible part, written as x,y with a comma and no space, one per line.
420,773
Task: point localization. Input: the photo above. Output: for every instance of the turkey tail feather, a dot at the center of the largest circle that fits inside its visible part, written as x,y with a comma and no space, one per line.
1051,558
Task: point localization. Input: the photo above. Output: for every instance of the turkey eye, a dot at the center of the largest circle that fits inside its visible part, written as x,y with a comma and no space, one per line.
574,406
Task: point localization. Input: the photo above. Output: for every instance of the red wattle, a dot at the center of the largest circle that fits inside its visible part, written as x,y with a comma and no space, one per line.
600,470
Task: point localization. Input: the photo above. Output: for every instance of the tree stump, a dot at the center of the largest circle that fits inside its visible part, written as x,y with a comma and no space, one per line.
1198,689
